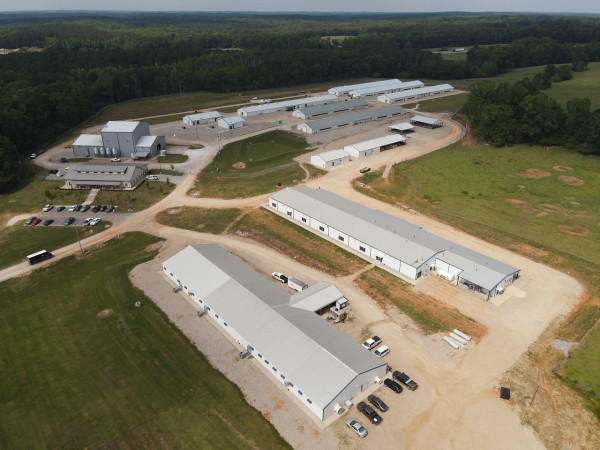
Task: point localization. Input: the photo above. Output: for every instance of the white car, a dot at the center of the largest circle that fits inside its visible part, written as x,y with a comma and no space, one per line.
95,221
151,177
356,427
73,208
382,351
371,343
115,159
47,207
87,221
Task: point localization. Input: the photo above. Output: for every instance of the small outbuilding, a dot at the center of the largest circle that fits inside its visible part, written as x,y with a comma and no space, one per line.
200,118
330,159
429,122
402,127
230,123
366,148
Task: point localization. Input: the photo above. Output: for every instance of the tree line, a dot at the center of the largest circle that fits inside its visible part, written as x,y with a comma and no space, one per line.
507,113
89,61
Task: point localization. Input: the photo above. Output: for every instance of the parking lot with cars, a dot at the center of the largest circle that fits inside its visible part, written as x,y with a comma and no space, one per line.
75,215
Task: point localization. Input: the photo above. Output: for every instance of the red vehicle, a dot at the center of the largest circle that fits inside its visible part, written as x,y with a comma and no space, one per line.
36,221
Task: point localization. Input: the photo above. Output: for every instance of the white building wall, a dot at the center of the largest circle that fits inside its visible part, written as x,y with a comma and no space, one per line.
335,234
377,254
407,270
391,262
285,209
301,217
356,245
318,161
314,223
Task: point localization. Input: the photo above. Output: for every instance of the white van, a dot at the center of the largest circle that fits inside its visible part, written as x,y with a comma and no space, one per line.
382,351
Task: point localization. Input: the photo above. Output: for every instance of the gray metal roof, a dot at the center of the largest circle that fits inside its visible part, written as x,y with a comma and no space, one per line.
347,88
89,140
146,141
418,91
398,238
316,297
425,119
359,116
407,85
378,142
118,126
97,172
311,111
402,126
311,353
285,104
332,155
204,115
231,120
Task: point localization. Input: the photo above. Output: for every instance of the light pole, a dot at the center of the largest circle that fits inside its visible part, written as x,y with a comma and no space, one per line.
196,126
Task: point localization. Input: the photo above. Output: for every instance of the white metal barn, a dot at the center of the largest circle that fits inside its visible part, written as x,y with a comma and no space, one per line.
230,123
402,127
415,93
424,121
341,90
395,243
385,89
332,108
200,118
317,363
330,159
354,118
288,105
366,148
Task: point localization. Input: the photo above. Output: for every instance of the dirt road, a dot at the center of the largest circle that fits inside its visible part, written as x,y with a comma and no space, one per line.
457,404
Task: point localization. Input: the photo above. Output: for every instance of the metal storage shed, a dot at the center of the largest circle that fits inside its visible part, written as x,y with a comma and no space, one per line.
341,90
332,108
415,93
350,119
365,148
425,121
200,118
268,108
229,123
330,159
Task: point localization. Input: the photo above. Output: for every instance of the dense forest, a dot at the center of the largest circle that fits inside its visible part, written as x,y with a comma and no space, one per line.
86,61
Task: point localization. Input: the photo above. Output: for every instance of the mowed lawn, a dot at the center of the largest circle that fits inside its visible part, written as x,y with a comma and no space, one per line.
266,163
131,380
18,241
258,153
547,195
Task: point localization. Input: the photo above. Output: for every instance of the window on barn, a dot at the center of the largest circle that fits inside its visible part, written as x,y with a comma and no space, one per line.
362,249
341,238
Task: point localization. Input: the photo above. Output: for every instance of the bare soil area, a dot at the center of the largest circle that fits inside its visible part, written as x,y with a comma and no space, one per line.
574,230
533,173
571,181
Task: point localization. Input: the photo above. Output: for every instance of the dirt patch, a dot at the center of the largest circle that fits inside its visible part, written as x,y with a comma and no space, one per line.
534,173
541,214
531,251
239,165
550,208
426,311
571,181
518,203
520,186
104,313
575,203
562,168
154,247
574,230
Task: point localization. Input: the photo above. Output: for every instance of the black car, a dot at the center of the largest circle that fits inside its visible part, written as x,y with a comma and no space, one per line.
110,209
96,208
370,413
377,403
60,208
48,222
405,380
84,208
393,385
53,171
102,208
78,207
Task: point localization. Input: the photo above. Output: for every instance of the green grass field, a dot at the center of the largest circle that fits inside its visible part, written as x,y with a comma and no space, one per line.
172,158
584,366
146,195
258,153
213,221
132,380
492,186
451,103
244,187
18,241
268,160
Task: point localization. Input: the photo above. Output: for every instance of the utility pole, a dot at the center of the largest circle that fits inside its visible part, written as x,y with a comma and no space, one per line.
196,126
80,247
219,139
535,389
